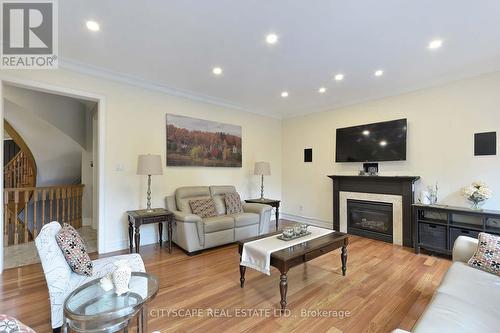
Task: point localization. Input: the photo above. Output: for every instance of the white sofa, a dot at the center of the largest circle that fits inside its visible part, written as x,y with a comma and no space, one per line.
61,280
468,299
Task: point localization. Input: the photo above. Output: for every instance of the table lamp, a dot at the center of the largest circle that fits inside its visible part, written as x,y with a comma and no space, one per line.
149,165
262,169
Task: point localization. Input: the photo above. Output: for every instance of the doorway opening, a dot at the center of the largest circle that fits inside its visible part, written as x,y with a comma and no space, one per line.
51,154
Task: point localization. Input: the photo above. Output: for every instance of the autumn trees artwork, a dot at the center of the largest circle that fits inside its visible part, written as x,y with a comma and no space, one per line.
197,142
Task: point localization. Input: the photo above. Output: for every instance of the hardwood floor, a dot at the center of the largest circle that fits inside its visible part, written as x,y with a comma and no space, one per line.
386,287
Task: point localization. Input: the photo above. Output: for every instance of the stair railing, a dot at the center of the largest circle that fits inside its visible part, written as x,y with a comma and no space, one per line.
38,206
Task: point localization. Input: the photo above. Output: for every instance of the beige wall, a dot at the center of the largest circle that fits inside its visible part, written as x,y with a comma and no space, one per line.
135,124
441,125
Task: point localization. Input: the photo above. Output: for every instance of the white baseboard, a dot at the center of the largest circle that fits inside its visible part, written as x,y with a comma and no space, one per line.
308,220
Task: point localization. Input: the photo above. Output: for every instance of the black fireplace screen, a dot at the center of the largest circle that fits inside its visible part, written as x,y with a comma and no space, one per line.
370,219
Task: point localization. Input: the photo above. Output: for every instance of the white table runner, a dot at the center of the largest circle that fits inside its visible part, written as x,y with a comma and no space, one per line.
257,254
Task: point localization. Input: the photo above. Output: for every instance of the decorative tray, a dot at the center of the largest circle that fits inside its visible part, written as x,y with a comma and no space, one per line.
283,238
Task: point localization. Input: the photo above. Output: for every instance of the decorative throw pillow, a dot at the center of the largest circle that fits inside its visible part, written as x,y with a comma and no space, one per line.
203,207
74,250
487,256
233,203
10,324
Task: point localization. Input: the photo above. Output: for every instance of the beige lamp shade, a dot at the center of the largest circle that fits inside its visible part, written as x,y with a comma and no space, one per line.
149,165
262,169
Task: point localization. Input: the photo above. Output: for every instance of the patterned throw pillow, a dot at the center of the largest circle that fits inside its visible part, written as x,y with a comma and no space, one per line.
10,324
74,250
233,203
203,207
487,256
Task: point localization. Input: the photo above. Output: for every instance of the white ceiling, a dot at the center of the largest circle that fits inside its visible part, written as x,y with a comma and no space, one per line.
175,44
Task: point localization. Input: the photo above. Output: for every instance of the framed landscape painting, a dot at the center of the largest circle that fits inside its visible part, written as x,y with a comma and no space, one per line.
198,142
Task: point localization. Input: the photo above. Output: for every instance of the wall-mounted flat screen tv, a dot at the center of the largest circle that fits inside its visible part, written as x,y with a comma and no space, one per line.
377,142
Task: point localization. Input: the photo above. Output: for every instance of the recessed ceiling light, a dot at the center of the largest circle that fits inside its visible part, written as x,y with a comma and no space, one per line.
366,132
217,70
322,90
93,26
272,39
435,44
284,94
383,143
379,72
339,77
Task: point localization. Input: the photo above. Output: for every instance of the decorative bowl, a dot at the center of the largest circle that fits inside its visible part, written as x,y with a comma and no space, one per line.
288,232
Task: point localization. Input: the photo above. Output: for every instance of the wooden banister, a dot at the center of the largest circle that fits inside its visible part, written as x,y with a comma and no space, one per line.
36,206
21,171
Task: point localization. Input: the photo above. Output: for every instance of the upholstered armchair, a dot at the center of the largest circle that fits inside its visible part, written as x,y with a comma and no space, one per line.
61,280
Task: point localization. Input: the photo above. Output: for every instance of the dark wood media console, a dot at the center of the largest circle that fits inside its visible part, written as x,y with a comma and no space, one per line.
438,226
393,185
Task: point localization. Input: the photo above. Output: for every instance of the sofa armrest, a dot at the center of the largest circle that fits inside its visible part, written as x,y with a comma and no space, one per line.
186,217
190,219
264,212
256,208
464,248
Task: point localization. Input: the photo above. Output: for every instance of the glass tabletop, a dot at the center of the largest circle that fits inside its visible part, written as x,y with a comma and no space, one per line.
91,301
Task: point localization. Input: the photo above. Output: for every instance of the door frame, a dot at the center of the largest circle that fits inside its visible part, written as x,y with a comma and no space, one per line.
99,188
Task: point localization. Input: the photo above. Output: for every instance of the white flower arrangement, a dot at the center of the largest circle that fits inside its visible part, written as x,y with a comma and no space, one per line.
477,193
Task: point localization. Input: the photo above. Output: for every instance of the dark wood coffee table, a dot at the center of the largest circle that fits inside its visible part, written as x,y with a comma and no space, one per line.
298,254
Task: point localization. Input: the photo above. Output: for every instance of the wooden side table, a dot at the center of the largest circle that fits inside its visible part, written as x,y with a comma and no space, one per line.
271,202
136,218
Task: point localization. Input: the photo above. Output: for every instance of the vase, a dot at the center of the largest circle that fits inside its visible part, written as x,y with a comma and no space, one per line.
477,205
121,277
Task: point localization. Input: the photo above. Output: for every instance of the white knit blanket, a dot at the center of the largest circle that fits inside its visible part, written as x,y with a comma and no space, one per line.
257,254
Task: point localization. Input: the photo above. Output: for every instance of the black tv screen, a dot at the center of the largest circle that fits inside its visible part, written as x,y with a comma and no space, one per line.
372,143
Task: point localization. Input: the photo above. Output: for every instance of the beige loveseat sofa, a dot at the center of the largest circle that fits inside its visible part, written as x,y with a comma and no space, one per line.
468,299
192,233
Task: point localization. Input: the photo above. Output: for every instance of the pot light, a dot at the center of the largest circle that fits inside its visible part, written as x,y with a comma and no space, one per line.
322,90
379,72
383,143
284,94
93,26
366,132
217,70
435,44
339,77
272,39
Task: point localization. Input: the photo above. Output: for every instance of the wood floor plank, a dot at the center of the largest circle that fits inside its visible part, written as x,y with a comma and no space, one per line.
386,286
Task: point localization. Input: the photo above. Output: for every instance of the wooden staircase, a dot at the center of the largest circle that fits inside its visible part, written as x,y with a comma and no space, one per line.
26,207
19,172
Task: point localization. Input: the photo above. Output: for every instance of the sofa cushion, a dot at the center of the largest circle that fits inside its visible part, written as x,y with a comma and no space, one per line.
487,256
466,301
233,203
218,223
203,207
218,193
186,193
74,250
470,284
449,314
244,219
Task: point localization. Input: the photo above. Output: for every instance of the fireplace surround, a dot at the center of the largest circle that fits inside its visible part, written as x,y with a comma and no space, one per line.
398,190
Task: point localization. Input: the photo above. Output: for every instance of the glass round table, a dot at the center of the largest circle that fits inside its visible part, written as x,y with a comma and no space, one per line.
90,308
